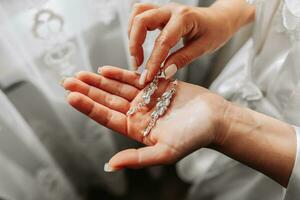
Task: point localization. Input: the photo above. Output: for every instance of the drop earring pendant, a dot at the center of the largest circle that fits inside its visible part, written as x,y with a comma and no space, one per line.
147,93
161,107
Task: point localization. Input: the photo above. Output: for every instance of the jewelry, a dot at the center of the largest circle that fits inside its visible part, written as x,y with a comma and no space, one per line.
161,107
147,93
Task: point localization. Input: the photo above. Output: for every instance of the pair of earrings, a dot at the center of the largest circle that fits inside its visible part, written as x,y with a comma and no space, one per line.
162,103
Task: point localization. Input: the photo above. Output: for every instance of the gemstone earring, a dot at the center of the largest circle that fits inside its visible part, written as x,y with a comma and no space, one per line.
161,107
147,93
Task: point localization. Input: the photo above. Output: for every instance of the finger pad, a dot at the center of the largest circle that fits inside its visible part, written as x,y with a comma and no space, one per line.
80,102
124,158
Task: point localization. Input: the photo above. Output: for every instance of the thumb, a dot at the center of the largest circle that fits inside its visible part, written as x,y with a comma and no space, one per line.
142,157
183,57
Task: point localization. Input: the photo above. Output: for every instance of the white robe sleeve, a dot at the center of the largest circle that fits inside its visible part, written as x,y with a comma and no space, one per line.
293,190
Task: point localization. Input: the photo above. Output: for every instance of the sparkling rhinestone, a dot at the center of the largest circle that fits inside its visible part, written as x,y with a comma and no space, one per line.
147,100
131,111
154,114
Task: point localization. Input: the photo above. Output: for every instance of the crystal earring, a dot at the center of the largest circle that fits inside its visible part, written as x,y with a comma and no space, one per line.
147,93
161,107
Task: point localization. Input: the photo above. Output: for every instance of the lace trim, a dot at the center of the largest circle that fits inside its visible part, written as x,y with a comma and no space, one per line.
288,20
293,6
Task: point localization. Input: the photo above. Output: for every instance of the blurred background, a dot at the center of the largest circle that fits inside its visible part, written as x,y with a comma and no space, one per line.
48,150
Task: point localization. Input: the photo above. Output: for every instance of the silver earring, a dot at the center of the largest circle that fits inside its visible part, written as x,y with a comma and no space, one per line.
161,107
147,93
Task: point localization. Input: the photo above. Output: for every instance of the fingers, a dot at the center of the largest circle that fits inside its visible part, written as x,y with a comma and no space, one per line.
121,75
142,157
168,38
185,55
101,114
115,87
137,9
146,21
111,101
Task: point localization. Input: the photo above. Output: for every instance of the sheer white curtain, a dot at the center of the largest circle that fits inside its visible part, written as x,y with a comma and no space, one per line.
27,169
40,42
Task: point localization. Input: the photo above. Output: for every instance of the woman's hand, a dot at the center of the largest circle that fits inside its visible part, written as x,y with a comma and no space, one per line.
191,121
203,30
196,118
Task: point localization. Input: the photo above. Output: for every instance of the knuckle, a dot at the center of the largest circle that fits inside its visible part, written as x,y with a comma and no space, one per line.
182,10
109,100
152,66
107,119
138,20
91,112
183,59
100,82
163,40
89,91
185,13
119,90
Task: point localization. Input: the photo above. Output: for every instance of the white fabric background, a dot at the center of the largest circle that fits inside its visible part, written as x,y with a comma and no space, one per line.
42,41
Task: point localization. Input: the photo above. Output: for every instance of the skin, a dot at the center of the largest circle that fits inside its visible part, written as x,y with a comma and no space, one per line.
196,118
203,30
107,97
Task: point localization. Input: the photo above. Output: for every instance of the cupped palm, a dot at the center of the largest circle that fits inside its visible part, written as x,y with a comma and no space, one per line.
191,121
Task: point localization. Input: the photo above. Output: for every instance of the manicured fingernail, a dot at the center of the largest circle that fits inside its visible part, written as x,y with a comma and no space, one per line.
99,70
143,77
67,93
77,74
133,62
139,70
62,80
170,71
108,168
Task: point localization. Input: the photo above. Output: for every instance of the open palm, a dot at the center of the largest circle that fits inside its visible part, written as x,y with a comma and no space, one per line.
190,122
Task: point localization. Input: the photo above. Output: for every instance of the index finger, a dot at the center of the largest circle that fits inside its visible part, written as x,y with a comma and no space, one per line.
168,38
138,8
146,21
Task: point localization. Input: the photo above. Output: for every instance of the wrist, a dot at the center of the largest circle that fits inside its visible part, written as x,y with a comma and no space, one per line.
221,123
257,140
227,123
236,13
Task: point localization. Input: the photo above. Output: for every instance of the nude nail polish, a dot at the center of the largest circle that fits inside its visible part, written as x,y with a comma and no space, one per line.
108,168
139,70
143,77
99,70
62,80
67,93
170,71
